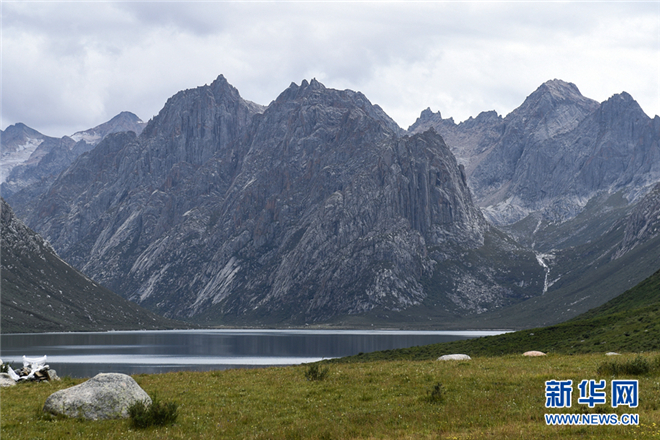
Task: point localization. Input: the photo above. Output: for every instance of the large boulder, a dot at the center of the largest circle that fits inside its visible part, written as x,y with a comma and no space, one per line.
105,396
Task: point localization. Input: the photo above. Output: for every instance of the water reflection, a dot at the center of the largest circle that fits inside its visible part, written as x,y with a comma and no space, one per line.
86,354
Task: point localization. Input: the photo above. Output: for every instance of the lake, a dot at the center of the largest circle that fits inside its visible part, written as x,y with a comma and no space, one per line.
133,352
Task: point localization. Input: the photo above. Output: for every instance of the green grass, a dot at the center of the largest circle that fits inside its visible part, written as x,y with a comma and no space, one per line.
488,397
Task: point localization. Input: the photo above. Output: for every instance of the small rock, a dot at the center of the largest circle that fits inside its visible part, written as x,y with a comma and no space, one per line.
454,357
105,396
52,375
6,380
612,353
533,353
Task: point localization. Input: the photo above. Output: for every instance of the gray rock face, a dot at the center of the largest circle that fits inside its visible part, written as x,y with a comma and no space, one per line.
643,223
470,141
312,208
554,153
105,396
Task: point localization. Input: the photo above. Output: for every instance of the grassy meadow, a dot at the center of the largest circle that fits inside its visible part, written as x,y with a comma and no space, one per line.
499,397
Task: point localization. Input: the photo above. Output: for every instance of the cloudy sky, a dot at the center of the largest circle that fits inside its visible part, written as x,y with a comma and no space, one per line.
68,66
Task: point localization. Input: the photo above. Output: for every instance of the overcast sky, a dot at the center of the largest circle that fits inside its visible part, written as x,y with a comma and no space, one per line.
69,66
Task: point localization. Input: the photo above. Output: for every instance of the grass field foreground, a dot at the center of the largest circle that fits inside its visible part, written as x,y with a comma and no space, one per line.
490,397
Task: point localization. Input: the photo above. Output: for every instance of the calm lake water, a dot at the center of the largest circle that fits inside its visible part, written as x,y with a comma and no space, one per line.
132,352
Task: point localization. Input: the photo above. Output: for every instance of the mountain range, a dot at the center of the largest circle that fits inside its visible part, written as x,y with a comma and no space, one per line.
554,153
31,161
319,209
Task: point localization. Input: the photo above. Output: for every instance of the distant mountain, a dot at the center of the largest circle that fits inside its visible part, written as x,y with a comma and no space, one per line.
124,121
554,153
33,174
17,143
40,292
314,209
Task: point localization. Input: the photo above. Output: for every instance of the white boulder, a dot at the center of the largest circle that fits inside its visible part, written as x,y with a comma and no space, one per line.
533,353
454,357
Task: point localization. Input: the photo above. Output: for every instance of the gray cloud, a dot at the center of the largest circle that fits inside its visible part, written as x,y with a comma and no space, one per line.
70,66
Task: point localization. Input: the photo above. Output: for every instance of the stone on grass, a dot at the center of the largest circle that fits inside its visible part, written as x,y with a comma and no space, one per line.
612,353
52,375
6,380
105,396
454,357
533,353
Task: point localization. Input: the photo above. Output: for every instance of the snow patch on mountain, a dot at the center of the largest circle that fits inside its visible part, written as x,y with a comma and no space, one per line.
22,153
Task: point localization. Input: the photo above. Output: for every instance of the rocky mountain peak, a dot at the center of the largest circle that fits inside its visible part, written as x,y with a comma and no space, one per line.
556,102
560,90
126,117
316,85
124,121
484,118
619,107
195,124
318,99
200,100
221,88
428,119
17,135
306,89
428,113
554,108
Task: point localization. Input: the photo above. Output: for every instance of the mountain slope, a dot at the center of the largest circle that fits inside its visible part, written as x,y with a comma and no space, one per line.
42,293
585,276
308,211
